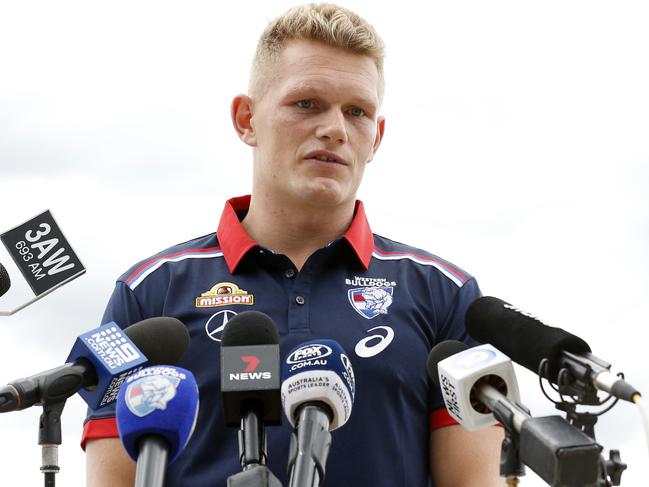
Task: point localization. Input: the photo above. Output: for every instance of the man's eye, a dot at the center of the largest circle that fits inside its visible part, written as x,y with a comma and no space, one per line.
357,112
305,104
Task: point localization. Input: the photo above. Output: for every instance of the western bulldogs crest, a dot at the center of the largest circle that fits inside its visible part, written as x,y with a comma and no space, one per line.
370,302
147,394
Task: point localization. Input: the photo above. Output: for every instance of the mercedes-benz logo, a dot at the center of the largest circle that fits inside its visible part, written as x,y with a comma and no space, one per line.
217,322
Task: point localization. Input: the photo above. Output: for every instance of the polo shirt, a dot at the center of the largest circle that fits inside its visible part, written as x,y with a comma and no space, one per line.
387,304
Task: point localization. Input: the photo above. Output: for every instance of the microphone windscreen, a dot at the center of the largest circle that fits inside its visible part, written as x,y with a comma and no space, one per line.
162,339
157,401
5,281
318,371
524,338
250,328
439,352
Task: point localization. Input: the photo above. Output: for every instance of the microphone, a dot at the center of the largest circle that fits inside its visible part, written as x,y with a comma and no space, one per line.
250,382
479,387
5,281
156,414
529,342
318,389
464,380
98,364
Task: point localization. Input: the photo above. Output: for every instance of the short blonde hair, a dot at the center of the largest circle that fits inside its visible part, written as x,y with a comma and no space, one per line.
327,23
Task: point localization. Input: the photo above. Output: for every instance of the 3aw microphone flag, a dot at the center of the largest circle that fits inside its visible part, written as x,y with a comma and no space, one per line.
38,251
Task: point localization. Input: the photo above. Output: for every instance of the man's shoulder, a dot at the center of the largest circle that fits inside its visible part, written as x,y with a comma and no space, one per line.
386,249
202,247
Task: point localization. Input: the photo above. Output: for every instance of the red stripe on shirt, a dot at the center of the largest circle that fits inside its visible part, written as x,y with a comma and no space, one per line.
98,428
440,418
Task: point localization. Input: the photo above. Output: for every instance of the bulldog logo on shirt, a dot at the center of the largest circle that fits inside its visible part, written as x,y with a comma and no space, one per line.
371,302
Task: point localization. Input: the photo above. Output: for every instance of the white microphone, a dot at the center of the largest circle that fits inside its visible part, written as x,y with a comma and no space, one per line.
468,378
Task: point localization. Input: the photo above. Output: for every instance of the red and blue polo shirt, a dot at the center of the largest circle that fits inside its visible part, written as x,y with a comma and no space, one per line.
386,303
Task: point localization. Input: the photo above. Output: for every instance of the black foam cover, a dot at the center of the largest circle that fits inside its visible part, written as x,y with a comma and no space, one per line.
439,352
163,340
250,328
525,339
5,281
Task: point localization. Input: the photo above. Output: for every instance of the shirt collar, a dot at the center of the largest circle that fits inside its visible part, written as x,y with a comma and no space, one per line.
235,242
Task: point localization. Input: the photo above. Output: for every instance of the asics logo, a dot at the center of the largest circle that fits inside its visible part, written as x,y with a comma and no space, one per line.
375,344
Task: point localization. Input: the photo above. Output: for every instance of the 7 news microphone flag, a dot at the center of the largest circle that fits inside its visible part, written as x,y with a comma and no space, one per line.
251,392
40,252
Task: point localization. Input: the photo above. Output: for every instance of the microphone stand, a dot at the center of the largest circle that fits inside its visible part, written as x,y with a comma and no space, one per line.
310,444
49,437
511,466
152,454
252,453
577,386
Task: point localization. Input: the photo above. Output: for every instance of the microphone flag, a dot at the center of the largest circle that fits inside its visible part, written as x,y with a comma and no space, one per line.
39,252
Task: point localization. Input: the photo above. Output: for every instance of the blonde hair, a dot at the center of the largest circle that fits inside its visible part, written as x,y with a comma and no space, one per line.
327,23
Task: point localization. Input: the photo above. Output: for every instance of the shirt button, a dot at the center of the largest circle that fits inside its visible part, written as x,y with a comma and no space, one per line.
289,273
299,300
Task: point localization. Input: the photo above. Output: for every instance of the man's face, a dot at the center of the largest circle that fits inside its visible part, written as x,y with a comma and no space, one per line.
316,126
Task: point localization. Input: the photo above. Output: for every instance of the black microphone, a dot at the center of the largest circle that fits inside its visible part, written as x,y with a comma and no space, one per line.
528,342
250,382
97,365
5,281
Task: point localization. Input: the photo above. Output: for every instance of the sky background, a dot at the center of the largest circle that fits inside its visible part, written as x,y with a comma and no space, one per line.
516,146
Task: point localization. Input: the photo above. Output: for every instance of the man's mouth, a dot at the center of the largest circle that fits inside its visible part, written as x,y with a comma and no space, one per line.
325,156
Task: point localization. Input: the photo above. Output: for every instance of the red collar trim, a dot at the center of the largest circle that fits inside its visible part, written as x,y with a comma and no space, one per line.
236,243
233,239
359,235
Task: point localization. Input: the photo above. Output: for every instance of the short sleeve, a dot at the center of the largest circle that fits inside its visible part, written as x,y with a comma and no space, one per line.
123,309
452,327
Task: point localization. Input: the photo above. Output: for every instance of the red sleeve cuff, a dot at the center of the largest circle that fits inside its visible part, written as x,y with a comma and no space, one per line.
98,428
440,418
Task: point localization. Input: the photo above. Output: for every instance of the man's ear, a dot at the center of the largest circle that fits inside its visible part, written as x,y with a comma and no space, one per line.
380,129
241,113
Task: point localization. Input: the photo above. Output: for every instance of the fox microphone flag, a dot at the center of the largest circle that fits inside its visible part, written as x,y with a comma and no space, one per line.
39,252
318,388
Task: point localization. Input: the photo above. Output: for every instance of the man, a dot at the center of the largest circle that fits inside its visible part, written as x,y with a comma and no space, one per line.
301,250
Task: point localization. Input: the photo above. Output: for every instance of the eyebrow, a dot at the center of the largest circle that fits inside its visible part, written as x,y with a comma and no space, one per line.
301,89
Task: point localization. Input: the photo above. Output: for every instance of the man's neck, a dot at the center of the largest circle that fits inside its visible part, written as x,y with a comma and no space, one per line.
296,231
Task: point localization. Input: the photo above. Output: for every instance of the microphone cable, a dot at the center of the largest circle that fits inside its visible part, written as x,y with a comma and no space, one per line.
645,415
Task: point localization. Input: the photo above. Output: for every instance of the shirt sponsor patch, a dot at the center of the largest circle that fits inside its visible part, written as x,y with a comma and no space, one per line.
223,294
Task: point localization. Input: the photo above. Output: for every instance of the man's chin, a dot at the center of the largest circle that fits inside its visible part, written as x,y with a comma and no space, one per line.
324,194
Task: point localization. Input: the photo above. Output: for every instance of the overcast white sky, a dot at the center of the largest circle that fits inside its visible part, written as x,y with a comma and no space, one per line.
516,146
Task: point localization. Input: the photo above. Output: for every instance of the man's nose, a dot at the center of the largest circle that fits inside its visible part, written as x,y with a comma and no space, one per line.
332,126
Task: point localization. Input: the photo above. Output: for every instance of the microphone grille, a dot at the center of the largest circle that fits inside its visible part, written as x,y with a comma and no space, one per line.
162,339
439,352
250,328
5,281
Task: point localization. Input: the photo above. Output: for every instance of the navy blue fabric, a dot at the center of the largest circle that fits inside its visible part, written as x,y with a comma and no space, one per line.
386,441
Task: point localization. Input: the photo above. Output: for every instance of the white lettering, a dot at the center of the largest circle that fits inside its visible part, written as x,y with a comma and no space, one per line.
46,229
57,263
45,246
